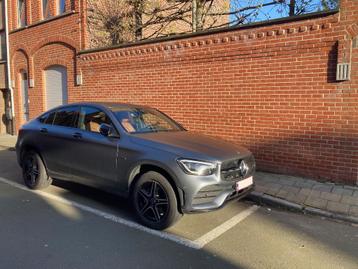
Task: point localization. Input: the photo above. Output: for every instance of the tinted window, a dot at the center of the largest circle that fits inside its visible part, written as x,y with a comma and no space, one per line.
91,118
43,118
47,118
67,117
50,118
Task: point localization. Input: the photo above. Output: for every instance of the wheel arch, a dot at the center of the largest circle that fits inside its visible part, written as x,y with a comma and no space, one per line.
144,167
27,148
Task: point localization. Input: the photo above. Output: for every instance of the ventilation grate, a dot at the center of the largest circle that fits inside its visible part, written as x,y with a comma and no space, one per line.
343,71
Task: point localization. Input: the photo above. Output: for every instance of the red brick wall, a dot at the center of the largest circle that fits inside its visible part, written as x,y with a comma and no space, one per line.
270,88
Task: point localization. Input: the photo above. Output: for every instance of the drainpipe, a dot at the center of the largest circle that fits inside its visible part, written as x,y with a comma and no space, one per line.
8,71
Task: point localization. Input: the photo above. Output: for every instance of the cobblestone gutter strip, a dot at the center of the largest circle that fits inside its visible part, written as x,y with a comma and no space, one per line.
263,198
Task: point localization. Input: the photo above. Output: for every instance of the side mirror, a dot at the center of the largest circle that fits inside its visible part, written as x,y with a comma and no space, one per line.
105,129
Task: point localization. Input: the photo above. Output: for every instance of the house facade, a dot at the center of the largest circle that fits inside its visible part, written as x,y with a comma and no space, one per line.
45,37
286,89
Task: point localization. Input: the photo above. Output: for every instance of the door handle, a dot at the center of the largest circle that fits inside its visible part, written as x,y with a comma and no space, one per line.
44,130
77,135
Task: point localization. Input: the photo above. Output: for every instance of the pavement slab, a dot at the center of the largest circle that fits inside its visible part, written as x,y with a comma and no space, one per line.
337,207
326,197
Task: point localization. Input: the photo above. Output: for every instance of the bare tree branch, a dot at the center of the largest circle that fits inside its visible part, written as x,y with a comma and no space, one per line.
119,21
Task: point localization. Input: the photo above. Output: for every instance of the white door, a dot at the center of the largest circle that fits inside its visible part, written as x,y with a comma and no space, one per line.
56,86
25,95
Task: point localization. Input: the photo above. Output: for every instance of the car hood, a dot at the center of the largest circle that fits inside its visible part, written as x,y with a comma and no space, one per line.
191,145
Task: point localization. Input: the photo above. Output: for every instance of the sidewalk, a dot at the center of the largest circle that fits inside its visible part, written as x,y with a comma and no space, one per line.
325,199
7,141
300,194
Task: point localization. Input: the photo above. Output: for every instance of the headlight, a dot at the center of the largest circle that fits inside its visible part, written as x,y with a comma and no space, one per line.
198,168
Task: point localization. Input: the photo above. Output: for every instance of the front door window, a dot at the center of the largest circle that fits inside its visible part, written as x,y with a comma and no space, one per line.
91,119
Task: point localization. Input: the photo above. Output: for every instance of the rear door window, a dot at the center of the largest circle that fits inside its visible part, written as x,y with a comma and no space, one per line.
67,117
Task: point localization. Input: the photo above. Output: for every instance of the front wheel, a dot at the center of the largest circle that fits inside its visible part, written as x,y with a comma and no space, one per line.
155,202
34,171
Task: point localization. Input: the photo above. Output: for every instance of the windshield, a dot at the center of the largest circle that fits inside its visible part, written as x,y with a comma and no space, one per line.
143,120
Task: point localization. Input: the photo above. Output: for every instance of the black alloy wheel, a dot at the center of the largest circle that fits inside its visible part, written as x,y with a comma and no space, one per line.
154,201
31,170
34,172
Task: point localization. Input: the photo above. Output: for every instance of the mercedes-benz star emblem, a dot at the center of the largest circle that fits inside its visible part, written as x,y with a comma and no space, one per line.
243,168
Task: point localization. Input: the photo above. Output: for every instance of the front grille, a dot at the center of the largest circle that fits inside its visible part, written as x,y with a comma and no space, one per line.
230,170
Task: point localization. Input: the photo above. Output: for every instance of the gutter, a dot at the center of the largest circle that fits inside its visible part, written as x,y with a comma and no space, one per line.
8,71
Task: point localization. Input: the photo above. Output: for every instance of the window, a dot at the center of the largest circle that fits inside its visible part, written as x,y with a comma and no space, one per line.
46,12
47,118
2,14
67,117
43,118
61,6
91,119
2,46
142,120
21,13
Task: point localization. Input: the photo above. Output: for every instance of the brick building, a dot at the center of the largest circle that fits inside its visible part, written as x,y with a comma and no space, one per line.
270,86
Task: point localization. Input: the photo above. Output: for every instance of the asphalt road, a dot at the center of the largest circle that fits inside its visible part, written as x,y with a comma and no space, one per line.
71,226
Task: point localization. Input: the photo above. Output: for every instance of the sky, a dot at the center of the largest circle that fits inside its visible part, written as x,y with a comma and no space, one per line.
273,11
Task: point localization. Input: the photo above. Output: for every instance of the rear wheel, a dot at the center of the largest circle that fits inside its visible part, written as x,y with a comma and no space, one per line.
34,171
155,201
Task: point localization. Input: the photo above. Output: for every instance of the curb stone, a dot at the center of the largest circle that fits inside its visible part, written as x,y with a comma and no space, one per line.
7,148
263,198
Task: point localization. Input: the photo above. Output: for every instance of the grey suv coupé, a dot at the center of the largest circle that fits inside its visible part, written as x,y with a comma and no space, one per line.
136,152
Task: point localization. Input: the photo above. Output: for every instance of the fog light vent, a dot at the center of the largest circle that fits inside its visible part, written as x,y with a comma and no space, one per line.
343,72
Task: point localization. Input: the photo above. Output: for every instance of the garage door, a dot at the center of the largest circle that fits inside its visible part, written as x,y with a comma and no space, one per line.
56,86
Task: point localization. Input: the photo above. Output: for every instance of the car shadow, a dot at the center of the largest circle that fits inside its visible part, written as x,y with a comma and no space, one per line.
114,202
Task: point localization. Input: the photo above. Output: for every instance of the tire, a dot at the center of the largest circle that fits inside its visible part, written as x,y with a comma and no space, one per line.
155,202
34,171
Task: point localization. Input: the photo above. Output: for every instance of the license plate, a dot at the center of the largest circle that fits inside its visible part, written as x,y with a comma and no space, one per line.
244,183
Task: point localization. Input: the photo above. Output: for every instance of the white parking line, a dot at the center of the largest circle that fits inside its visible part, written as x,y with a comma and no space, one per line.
108,216
216,232
197,244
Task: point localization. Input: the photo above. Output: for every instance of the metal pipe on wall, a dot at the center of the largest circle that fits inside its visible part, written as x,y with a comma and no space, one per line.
8,71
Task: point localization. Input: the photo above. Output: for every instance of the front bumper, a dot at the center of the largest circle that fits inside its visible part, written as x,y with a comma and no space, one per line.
221,200
206,193
214,197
